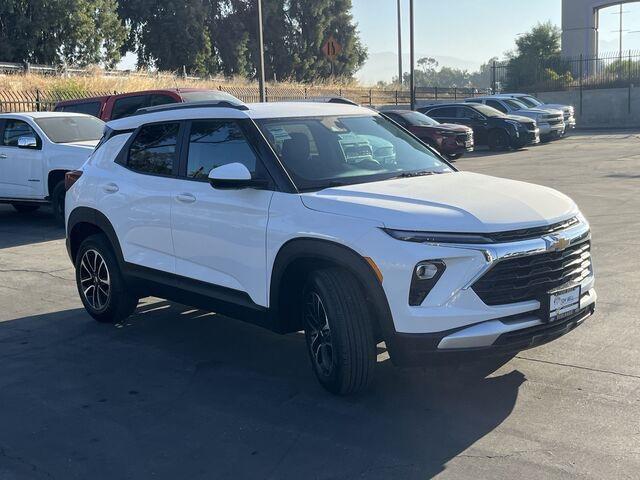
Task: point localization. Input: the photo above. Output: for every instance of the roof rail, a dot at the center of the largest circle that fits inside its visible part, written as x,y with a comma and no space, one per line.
203,104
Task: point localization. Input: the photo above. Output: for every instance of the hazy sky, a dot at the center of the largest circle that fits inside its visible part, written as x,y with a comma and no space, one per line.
469,29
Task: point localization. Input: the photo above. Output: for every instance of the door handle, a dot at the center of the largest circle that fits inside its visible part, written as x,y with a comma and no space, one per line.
3,155
185,198
110,188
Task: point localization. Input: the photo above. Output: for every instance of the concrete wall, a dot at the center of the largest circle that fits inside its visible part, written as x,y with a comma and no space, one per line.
603,108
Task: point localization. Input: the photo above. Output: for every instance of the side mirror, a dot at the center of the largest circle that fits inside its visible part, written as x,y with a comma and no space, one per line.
234,176
27,142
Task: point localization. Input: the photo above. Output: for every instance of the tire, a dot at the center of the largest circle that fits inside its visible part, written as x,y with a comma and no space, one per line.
338,331
104,294
453,156
498,140
25,208
57,202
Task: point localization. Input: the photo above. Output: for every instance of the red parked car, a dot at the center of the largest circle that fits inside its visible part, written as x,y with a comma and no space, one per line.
121,105
449,139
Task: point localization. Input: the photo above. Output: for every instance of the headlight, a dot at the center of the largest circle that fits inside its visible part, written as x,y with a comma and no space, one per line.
437,237
425,275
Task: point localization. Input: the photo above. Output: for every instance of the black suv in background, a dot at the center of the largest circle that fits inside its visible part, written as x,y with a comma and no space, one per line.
490,126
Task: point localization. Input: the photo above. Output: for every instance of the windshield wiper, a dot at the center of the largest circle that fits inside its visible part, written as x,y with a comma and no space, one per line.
421,173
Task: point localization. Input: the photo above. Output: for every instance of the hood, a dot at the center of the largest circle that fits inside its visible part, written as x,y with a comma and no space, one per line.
86,144
450,202
519,118
452,126
557,106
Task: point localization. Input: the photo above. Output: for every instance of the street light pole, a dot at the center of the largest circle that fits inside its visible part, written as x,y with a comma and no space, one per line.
399,46
411,57
263,92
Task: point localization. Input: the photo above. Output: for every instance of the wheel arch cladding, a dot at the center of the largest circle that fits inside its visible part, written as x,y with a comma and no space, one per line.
298,257
84,222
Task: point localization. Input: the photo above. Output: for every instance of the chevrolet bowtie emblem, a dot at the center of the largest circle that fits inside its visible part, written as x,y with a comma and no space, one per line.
556,243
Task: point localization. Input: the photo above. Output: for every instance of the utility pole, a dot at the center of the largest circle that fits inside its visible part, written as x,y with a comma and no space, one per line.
263,92
411,57
399,46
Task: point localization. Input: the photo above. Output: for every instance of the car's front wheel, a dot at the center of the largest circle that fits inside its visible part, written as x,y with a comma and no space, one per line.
453,156
499,140
338,331
100,284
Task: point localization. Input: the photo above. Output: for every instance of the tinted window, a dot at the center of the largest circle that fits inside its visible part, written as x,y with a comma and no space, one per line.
123,107
71,129
89,108
397,118
154,149
448,112
213,143
497,105
13,130
465,112
418,119
157,99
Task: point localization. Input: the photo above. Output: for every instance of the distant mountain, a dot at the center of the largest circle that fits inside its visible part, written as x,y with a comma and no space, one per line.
384,65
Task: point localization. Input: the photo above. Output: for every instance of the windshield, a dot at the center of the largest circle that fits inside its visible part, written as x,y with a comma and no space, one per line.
515,104
487,111
532,101
418,119
71,129
325,151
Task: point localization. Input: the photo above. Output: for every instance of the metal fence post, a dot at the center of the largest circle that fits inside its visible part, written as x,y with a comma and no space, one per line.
455,93
493,78
370,98
37,100
629,93
581,67
305,93
436,92
266,94
396,97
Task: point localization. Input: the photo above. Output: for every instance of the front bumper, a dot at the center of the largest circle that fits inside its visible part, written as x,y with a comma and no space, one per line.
547,129
487,339
453,321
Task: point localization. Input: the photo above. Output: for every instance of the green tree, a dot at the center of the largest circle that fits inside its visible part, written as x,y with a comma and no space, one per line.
171,35
537,53
78,32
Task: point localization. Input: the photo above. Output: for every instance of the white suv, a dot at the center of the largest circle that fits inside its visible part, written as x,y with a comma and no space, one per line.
37,149
255,211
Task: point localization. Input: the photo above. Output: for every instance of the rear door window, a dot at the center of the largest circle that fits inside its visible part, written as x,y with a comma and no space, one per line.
126,106
89,108
154,149
443,112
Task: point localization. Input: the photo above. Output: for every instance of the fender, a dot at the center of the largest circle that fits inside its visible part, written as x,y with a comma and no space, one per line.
98,219
334,253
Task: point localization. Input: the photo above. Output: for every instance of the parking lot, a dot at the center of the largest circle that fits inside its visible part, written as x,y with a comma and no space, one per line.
178,393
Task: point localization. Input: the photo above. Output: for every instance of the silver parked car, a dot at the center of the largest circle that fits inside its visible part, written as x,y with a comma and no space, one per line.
550,122
533,102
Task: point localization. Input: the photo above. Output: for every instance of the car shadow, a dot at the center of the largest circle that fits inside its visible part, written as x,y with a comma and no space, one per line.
24,228
181,393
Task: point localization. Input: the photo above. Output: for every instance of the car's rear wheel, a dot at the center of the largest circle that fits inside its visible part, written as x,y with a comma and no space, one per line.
100,284
25,208
498,140
338,331
453,156
57,202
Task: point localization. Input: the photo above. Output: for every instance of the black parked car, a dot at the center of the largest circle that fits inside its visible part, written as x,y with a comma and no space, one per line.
490,126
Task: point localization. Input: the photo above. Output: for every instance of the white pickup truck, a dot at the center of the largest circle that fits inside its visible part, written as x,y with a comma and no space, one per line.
36,150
